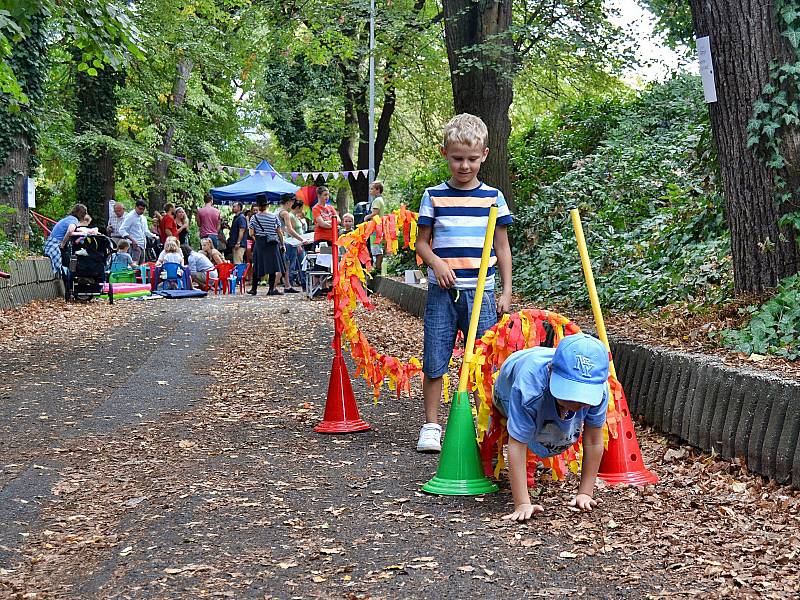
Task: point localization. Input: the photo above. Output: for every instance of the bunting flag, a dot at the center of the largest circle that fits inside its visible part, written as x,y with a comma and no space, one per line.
293,175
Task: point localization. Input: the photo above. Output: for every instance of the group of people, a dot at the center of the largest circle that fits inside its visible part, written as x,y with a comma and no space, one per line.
274,243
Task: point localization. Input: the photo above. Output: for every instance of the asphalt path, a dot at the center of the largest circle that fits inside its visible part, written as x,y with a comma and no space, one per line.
174,457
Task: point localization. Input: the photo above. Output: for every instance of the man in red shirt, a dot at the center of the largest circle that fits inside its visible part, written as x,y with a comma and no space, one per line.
167,226
208,220
323,214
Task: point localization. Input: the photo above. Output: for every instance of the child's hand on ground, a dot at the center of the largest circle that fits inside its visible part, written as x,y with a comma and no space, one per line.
584,502
523,512
445,276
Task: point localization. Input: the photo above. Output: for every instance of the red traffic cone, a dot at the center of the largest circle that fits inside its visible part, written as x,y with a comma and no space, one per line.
622,462
341,411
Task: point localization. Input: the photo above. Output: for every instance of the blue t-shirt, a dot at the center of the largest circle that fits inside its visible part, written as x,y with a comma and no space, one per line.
522,393
122,261
239,223
60,229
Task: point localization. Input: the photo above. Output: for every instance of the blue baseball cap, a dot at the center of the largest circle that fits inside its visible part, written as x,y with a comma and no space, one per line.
579,370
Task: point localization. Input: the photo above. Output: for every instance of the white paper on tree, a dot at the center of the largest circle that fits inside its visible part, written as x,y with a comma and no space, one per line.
30,192
706,69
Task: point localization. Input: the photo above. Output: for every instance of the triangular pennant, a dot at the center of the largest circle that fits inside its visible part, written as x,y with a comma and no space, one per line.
220,168
230,170
315,175
365,173
325,175
200,164
272,174
304,175
294,175
345,174
242,171
335,175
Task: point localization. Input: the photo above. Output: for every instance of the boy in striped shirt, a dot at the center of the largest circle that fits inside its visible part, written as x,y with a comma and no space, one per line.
453,218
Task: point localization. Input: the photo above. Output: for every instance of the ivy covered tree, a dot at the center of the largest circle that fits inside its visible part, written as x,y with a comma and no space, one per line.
96,125
19,124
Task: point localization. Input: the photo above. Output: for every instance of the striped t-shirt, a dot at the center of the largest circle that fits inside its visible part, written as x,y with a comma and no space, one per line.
265,225
459,219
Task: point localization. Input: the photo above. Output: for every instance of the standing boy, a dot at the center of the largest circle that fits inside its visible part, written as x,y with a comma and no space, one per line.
453,218
376,208
549,396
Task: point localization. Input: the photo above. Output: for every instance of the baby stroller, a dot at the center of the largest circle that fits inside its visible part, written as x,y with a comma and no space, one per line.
87,267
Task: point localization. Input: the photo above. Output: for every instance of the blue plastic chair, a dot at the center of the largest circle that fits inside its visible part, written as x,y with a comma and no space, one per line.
171,269
240,271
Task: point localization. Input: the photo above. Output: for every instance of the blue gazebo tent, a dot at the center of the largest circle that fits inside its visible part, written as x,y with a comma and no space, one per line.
248,189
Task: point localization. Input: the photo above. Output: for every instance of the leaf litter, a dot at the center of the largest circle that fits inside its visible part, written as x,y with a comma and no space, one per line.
236,492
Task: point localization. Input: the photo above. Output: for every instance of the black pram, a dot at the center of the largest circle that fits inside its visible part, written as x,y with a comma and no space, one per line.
87,267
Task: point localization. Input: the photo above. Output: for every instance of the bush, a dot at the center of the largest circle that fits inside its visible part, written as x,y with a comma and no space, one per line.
647,189
774,327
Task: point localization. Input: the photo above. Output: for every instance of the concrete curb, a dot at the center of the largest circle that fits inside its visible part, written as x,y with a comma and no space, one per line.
744,413
31,279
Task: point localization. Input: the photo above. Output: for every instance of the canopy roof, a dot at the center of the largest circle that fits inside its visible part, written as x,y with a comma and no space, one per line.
248,189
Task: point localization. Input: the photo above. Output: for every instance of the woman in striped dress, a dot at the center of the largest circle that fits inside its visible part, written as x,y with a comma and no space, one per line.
266,232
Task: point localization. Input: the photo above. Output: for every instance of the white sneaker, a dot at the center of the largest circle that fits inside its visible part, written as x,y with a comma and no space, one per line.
430,438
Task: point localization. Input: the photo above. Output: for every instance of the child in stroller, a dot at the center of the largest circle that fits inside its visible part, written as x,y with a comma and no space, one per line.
87,266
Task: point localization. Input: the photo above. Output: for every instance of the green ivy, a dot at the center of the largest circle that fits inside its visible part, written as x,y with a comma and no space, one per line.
774,327
776,113
27,61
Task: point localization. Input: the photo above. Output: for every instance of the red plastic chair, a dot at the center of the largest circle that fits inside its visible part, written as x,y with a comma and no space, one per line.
224,271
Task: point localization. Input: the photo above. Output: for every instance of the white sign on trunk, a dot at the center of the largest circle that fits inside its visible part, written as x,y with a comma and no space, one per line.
30,192
706,68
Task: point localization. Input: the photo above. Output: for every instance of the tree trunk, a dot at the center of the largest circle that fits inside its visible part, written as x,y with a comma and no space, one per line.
18,131
745,39
479,50
96,111
15,169
158,193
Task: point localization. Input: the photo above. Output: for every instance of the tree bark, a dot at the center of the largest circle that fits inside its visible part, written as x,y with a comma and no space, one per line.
745,39
16,224
157,195
480,51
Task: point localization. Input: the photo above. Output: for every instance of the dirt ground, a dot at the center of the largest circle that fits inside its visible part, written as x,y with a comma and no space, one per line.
165,449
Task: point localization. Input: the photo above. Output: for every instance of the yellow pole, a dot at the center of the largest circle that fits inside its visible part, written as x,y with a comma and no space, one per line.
476,306
587,273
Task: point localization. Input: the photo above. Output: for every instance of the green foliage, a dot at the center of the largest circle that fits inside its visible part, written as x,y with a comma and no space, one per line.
774,327
8,250
674,21
648,192
776,117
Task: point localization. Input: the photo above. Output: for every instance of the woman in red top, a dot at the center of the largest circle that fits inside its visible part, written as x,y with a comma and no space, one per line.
323,213
167,226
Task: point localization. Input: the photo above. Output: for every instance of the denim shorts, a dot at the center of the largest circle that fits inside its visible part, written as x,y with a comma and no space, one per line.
444,316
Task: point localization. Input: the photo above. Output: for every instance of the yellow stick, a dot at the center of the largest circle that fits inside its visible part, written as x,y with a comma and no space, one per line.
476,306
587,273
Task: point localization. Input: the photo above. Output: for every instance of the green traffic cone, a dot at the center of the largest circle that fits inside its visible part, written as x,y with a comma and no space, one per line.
460,472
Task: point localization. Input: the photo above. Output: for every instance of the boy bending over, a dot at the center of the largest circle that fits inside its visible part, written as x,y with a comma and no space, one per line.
548,396
453,218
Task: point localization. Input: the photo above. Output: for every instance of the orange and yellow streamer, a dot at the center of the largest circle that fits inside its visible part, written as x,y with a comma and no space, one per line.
525,329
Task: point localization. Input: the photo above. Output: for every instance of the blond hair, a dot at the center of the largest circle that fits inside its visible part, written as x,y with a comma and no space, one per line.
171,246
466,129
